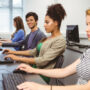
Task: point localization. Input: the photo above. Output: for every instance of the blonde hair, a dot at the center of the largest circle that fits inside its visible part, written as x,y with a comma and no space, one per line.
88,12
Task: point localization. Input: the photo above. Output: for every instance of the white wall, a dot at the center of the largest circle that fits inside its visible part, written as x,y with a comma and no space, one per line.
75,12
38,6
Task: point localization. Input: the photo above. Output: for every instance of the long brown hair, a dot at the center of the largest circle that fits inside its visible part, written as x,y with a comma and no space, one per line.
19,24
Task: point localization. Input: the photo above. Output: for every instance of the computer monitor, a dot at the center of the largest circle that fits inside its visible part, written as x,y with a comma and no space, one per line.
72,34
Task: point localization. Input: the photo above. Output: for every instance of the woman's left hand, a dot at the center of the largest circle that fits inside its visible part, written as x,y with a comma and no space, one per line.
32,86
26,68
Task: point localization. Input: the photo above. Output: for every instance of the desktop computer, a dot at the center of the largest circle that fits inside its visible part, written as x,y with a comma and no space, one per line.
72,36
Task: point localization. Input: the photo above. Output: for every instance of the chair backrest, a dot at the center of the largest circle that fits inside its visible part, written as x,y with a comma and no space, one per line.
59,62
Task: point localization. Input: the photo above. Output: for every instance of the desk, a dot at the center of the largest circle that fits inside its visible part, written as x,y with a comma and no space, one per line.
77,49
8,68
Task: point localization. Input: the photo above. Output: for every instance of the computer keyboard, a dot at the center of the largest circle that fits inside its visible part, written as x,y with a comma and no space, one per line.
11,80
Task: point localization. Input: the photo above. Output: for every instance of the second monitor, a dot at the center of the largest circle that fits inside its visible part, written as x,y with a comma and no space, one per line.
72,34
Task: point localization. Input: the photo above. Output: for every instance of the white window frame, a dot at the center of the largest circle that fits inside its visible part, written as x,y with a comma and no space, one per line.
10,7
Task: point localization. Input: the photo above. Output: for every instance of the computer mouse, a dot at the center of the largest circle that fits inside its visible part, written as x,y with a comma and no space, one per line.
8,59
19,71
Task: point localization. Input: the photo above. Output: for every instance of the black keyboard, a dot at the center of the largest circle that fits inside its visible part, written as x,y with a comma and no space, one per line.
10,81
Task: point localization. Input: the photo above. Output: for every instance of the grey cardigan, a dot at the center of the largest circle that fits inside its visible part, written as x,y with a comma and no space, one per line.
50,49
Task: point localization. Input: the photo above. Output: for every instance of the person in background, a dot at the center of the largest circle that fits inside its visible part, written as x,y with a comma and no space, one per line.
81,66
32,39
48,48
19,33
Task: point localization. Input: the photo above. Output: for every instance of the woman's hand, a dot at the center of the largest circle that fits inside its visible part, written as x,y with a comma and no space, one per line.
13,57
5,41
88,85
0,43
7,51
8,41
32,86
26,68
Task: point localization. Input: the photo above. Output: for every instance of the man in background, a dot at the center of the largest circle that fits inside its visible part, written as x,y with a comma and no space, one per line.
32,38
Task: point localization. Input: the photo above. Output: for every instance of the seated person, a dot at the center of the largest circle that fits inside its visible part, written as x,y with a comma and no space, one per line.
81,66
33,37
48,48
19,33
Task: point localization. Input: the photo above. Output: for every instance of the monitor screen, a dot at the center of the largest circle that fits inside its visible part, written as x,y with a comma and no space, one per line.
72,33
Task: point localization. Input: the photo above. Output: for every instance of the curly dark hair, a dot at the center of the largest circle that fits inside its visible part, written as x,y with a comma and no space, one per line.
32,14
56,12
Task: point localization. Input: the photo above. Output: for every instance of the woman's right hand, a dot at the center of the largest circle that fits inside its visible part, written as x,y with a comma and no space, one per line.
0,43
88,85
26,68
32,86
7,51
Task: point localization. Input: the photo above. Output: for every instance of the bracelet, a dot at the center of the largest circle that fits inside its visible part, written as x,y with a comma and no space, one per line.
51,87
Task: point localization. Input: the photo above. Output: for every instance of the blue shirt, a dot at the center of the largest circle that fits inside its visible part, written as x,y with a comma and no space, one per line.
31,37
18,36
